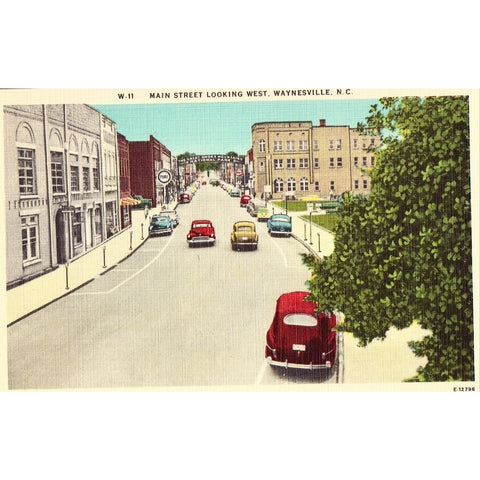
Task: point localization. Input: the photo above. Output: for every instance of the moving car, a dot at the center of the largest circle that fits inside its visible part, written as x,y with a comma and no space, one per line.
244,236
160,224
173,215
234,192
201,232
185,197
244,200
279,224
257,208
300,337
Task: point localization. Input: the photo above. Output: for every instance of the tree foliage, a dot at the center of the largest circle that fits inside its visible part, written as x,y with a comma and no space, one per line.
404,253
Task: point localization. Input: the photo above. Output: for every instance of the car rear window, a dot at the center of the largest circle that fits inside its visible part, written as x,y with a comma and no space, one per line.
201,225
244,229
300,319
281,219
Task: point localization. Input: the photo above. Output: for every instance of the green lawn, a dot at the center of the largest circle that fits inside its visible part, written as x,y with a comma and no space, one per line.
326,221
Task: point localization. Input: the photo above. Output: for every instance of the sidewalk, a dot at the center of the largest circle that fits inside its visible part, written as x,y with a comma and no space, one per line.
316,239
36,293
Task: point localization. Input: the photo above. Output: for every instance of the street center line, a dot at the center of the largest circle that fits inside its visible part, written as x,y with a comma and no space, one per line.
154,259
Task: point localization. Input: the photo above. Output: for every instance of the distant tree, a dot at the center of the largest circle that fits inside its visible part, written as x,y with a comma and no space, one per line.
185,155
404,253
232,154
207,166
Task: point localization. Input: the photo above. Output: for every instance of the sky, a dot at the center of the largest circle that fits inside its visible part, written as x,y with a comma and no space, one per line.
221,127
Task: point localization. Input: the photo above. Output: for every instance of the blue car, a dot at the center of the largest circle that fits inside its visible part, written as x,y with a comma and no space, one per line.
279,224
160,224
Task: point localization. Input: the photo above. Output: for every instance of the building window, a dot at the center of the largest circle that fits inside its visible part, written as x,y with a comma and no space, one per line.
58,185
356,184
332,185
316,163
126,214
330,144
364,143
278,163
74,178
98,221
303,145
30,250
303,184
290,163
303,162
372,142
278,185
261,146
96,178
332,162
364,161
86,179
291,184
339,162
277,146
355,161
77,228
372,161
26,171
290,145
315,144
317,186
365,184
261,166
339,144
355,143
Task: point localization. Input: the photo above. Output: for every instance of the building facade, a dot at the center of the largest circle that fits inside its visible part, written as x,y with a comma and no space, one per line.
145,161
300,159
56,195
126,201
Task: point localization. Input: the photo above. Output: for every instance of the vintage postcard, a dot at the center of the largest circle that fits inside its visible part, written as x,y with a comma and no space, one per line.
309,239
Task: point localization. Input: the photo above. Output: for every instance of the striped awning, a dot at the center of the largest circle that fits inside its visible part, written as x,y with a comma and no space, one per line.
128,202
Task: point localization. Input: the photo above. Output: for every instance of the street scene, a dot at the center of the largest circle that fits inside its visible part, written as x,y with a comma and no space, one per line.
286,262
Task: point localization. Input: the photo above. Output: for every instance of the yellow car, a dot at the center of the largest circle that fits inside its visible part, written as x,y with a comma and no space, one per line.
244,236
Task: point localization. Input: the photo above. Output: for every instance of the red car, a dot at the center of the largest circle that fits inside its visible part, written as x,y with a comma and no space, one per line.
299,337
201,232
244,200
185,198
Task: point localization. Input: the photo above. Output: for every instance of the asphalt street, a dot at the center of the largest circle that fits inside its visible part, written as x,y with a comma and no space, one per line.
168,315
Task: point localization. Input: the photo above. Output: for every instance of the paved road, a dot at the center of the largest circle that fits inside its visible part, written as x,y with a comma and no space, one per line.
168,315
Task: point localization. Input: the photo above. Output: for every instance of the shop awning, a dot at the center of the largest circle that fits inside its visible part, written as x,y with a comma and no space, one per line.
128,202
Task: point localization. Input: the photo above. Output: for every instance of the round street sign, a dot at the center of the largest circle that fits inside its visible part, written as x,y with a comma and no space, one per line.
239,172
164,176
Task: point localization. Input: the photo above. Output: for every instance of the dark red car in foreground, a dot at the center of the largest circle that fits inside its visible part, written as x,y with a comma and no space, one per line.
201,232
299,337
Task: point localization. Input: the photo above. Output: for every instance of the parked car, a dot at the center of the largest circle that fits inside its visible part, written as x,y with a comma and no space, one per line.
160,224
279,224
300,337
201,232
244,236
244,200
173,215
257,208
185,197
234,192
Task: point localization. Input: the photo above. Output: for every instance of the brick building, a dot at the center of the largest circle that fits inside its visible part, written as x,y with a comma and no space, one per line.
305,160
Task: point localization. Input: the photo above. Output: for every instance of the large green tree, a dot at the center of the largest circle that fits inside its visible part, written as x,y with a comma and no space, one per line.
403,253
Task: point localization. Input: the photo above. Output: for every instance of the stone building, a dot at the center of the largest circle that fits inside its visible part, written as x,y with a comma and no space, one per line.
55,192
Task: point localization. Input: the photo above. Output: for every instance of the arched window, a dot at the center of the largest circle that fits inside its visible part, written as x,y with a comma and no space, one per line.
56,161
291,184
27,177
278,185
303,184
85,152
95,167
